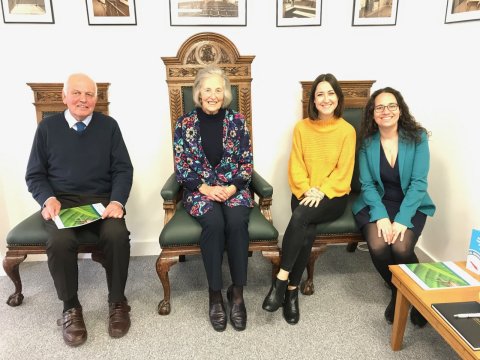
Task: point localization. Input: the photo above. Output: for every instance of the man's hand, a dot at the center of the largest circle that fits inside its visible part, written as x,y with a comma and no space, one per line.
51,209
384,229
113,210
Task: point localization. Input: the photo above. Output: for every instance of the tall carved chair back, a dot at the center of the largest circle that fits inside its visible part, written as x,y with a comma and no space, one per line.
344,229
181,233
29,236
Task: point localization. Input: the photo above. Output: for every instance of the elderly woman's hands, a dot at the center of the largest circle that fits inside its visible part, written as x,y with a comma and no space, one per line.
218,193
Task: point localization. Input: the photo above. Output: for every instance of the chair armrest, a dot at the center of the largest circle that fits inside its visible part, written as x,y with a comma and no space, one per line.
170,192
170,189
260,186
264,191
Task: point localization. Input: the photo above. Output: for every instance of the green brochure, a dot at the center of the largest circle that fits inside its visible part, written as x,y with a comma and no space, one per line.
78,216
439,275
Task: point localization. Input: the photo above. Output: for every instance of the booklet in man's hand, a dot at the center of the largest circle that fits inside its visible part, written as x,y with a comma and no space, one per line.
439,275
78,216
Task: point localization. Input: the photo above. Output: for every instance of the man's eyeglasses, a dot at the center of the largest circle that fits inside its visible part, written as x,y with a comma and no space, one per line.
210,92
391,107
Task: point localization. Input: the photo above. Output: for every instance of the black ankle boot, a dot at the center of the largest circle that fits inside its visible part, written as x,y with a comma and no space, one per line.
291,311
390,310
217,314
416,318
276,295
238,312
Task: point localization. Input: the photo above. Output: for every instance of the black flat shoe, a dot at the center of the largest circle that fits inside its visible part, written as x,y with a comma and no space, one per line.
217,313
417,319
275,296
291,311
390,310
238,312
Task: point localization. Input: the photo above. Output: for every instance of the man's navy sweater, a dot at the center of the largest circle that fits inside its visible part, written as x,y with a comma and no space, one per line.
92,162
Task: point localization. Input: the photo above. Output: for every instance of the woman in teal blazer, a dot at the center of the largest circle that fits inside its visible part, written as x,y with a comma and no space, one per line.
393,205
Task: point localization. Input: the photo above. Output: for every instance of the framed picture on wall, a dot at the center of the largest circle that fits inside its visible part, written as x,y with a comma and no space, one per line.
462,10
299,13
27,12
208,13
374,12
111,12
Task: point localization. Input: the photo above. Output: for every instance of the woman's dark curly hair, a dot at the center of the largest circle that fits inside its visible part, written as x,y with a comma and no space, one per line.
332,80
411,129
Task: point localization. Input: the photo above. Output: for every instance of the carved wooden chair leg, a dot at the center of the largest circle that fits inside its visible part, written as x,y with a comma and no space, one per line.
163,267
351,247
11,267
307,287
182,258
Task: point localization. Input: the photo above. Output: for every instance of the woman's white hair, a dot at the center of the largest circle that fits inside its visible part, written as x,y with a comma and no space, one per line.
205,73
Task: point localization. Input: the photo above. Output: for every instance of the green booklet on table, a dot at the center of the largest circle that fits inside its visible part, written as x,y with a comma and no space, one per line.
78,216
439,275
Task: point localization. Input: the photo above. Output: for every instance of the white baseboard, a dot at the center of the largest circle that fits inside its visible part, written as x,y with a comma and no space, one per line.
2,273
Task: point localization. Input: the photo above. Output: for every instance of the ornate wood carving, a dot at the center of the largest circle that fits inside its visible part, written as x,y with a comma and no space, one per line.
205,49
48,98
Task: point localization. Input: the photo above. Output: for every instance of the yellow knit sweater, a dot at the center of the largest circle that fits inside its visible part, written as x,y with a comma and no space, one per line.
323,155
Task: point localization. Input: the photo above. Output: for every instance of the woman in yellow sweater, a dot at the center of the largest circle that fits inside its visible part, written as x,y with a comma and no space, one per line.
319,173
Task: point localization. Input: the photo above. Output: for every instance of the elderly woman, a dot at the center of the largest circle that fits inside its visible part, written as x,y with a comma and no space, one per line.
393,205
213,158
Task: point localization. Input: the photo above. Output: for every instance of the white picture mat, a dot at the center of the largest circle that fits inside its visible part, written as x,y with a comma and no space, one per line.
46,18
357,20
241,20
112,20
316,20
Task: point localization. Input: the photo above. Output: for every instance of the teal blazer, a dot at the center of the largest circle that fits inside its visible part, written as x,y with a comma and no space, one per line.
413,164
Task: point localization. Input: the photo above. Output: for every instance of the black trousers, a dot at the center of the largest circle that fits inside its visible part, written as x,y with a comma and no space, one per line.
225,228
62,245
301,230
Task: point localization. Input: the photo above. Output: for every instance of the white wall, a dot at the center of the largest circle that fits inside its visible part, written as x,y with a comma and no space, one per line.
433,64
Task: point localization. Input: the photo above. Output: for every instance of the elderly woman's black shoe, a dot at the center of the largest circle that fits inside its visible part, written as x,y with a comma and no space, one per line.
291,311
275,296
217,313
238,312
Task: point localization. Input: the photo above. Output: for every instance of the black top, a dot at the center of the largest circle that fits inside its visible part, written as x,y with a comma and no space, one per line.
211,131
392,198
92,162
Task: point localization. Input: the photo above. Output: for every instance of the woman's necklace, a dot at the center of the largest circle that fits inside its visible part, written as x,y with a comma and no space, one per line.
390,147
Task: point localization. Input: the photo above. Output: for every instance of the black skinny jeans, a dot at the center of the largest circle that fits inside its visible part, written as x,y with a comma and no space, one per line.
300,234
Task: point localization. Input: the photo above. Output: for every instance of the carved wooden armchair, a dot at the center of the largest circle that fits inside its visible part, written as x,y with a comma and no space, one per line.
30,236
181,233
344,229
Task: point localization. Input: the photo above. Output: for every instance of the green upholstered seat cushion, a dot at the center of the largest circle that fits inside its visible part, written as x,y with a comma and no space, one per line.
31,232
345,224
184,230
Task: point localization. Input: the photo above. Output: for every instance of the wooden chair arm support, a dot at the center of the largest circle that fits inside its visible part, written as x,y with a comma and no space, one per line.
170,193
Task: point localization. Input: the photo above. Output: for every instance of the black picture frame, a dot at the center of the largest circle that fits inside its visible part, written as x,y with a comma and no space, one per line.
193,13
39,13
289,13
111,12
375,12
461,11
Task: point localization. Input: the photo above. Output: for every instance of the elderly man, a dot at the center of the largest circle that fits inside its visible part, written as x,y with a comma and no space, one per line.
78,157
